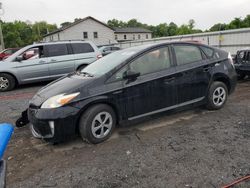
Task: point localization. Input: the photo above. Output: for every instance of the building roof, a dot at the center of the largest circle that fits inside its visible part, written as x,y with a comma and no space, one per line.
131,30
75,23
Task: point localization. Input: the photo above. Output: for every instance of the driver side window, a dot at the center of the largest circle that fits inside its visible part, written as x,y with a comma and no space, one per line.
153,61
150,62
33,53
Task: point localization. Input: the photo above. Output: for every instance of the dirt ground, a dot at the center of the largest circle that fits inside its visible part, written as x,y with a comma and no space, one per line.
194,148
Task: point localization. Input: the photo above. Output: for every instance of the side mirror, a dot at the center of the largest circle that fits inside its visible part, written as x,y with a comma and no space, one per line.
19,58
131,75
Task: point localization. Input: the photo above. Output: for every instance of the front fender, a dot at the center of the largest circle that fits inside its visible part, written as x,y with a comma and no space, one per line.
85,104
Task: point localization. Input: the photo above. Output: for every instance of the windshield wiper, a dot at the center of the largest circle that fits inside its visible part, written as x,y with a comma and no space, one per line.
86,74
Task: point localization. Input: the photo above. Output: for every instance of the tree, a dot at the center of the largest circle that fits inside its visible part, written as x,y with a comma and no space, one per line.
191,24
19,34
65,24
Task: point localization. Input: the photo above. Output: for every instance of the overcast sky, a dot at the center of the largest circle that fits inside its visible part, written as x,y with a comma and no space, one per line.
204,12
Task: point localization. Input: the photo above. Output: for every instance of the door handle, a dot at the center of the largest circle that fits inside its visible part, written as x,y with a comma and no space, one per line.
169,80
42,61
52,60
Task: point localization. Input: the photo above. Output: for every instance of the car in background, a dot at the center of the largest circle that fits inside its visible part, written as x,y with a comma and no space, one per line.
46,61
242,63
130,84
7,52
105,50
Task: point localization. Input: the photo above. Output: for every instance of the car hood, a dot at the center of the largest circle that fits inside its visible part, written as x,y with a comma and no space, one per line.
66,85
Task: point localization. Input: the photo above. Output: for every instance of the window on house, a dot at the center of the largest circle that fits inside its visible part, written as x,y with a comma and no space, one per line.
146,36
133,37
116,37
85,35
125,37
95,35
139,36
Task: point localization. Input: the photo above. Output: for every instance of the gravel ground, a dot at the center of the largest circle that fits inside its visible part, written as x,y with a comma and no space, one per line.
193,148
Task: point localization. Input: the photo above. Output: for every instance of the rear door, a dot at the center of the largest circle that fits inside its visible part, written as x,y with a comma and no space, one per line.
194,73
60,59
84,54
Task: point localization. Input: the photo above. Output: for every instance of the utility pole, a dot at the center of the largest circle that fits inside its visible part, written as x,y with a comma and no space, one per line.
1,33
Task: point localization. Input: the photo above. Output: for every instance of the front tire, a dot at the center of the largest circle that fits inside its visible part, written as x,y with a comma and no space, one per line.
217,95
97,123
7,82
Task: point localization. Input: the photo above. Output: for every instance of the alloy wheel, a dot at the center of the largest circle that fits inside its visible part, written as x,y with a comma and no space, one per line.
102,124
219,96
4,83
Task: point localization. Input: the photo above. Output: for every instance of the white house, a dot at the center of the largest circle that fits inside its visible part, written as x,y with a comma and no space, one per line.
98,32
131,34
88,28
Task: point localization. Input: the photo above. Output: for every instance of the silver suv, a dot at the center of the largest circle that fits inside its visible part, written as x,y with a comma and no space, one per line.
46,61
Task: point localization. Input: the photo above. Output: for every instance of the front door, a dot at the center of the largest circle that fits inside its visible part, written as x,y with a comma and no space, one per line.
33,66
154,90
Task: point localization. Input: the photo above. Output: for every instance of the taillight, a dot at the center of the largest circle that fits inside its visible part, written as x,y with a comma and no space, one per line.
230,59
99,56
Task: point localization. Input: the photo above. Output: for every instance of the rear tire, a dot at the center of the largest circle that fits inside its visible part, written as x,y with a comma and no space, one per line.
7,82
97,123
217,96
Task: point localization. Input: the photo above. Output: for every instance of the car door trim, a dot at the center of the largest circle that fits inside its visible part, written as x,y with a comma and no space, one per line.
167,108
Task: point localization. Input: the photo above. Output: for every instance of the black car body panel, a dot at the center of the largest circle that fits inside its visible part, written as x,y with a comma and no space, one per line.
148,94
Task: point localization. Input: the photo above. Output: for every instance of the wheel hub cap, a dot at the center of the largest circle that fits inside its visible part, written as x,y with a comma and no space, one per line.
219,96
4,83
101,124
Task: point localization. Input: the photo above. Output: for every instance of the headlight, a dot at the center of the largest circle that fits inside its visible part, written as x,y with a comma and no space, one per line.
59,100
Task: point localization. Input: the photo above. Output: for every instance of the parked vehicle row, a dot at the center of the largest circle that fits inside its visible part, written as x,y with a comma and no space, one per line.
131,84
46,61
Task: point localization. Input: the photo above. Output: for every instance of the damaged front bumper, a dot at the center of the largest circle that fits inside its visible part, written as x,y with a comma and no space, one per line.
52,125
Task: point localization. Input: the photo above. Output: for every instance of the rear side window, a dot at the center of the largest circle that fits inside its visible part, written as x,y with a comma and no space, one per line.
56,50
79,48
187,54
208,51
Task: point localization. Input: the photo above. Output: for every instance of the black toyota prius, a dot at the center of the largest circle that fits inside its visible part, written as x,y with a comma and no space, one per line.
131,84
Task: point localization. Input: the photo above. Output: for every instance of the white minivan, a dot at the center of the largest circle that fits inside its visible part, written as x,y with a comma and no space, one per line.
46,61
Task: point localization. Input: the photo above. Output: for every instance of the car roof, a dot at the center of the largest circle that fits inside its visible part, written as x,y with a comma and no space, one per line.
155,45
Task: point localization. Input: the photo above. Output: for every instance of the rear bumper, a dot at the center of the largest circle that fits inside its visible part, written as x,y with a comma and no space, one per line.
53,125
2,174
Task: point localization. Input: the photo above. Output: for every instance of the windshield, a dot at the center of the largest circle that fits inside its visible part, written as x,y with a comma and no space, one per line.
107,63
